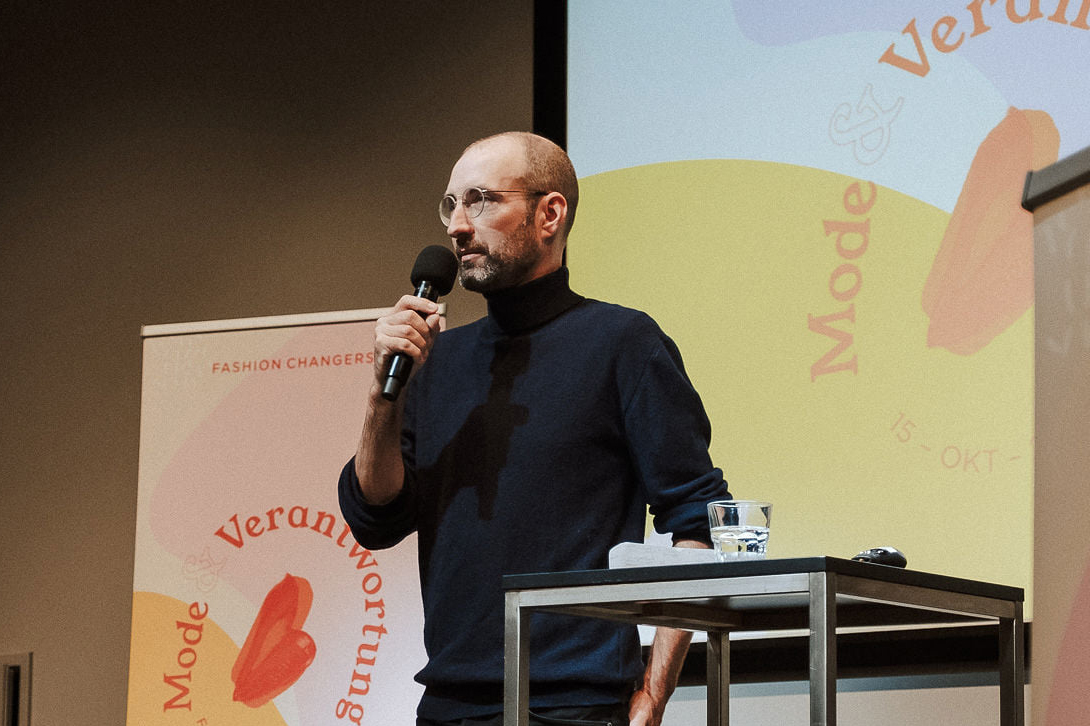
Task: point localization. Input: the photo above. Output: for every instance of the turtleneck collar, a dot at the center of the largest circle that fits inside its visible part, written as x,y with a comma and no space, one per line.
521,308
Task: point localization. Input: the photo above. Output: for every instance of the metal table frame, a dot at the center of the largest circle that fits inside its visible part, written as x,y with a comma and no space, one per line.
820,594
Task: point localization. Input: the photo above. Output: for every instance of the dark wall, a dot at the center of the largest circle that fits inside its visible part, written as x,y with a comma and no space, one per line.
163,163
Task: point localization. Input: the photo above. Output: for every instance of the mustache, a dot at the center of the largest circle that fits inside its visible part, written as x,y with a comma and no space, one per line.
472,250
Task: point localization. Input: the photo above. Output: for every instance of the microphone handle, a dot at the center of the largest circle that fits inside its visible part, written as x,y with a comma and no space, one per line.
397,373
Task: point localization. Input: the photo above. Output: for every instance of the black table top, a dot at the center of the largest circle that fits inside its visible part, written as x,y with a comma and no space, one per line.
768,566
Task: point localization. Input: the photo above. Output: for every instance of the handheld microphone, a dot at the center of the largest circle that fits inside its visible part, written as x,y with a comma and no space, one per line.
433,275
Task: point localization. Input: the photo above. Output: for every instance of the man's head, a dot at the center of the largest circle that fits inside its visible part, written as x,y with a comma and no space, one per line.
517,229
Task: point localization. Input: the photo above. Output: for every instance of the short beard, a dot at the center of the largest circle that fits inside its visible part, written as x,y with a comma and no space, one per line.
508,267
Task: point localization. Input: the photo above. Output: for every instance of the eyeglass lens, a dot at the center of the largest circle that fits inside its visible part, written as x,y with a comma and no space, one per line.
472,200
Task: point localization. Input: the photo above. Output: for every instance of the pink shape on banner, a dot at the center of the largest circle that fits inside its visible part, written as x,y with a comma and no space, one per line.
1068,702
248,470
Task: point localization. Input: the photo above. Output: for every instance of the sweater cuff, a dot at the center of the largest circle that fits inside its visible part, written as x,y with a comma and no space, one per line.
375,526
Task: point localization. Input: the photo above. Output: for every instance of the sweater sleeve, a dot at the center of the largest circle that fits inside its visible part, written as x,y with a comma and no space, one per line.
375,526
668,433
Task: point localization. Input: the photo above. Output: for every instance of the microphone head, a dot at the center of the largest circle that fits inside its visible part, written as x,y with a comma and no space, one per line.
438,265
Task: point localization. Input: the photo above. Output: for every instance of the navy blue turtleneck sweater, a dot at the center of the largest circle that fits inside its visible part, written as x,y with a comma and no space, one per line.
533,440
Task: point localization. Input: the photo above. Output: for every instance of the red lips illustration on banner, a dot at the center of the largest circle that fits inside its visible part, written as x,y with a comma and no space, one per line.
276,651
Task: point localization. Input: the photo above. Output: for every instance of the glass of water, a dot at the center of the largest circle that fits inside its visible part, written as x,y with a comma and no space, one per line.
739,528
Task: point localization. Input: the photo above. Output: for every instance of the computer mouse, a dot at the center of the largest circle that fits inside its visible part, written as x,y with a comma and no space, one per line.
882,556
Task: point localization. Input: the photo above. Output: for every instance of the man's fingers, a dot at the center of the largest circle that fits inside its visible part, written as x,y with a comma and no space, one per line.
410,329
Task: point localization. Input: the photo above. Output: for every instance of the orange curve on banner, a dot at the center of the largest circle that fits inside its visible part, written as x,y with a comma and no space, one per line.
277,650
981,281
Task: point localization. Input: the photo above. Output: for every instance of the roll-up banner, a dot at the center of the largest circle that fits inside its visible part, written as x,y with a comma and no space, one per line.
252,603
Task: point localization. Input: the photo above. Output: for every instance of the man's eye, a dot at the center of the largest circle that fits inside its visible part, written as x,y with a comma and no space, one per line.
473,196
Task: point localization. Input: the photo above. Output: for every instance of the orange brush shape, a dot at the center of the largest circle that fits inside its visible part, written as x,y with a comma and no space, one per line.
981,281
276,651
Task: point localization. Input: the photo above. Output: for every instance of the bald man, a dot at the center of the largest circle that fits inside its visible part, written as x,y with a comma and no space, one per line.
532,440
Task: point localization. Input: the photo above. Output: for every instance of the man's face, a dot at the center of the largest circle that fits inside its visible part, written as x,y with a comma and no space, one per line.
501,247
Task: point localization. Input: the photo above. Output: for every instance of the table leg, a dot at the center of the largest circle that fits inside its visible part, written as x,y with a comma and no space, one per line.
516,663
1012,693
823,649
718,678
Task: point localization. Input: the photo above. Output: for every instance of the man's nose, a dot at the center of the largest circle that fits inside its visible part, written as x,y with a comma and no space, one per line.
459,225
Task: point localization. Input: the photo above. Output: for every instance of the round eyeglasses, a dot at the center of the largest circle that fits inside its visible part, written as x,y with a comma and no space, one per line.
474,200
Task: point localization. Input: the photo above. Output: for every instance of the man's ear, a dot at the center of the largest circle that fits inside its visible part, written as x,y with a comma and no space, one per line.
555,215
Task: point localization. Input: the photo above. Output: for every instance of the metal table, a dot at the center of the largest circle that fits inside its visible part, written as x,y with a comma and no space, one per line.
820,594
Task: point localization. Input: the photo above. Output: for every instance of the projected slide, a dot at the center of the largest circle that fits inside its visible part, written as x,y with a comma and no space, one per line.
820,201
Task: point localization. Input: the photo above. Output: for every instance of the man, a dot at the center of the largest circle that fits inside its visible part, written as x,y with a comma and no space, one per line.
531,440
